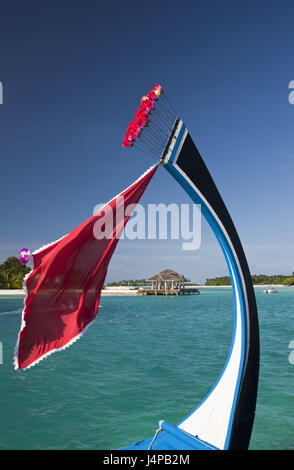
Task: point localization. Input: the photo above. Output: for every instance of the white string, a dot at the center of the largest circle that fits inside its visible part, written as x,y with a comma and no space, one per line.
155,435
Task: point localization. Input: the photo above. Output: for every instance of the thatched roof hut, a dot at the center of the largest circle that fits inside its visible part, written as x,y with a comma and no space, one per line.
168,278
168,275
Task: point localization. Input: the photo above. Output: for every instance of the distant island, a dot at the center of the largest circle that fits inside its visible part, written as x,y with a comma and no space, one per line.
12,273
260,279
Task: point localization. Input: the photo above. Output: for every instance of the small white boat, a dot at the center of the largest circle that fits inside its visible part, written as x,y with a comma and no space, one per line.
270,291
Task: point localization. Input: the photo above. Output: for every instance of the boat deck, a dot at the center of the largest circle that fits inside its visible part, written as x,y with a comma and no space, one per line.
171,438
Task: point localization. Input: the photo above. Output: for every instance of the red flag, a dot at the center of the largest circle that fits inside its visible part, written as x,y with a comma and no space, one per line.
64,287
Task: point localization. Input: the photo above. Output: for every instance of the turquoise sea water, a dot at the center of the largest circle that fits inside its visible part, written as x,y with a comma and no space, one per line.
143,359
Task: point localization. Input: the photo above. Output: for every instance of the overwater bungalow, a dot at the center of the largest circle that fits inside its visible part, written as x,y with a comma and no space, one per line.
168,282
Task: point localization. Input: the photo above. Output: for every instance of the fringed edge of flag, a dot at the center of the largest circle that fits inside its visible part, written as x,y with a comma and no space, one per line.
23,324
65,346
43,247
134,182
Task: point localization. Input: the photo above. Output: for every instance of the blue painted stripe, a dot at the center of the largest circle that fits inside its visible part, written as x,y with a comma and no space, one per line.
233,269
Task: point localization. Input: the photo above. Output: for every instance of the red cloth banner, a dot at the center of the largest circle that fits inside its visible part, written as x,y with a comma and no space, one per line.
64,287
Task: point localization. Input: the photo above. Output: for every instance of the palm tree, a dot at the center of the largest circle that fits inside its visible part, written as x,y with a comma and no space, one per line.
12,273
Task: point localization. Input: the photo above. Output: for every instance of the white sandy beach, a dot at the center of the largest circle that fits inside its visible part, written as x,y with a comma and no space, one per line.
4,292
117,291
123,290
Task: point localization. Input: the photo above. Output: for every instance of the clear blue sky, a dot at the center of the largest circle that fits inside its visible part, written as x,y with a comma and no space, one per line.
72,75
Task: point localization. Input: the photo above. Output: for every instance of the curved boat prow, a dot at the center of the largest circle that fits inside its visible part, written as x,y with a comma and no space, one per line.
224,419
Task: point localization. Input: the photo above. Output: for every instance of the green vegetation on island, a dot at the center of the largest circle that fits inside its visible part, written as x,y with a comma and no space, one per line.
260,279
219,281
12,273
289,281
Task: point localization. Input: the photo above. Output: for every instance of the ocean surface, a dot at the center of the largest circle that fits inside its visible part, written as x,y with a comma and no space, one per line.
142,360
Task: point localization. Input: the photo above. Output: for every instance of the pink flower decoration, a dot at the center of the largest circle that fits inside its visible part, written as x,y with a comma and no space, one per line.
142,116
24,255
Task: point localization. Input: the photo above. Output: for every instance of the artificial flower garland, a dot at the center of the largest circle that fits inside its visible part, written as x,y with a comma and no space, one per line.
142,116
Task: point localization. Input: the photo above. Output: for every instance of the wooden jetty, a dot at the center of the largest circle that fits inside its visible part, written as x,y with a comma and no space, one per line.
187,291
